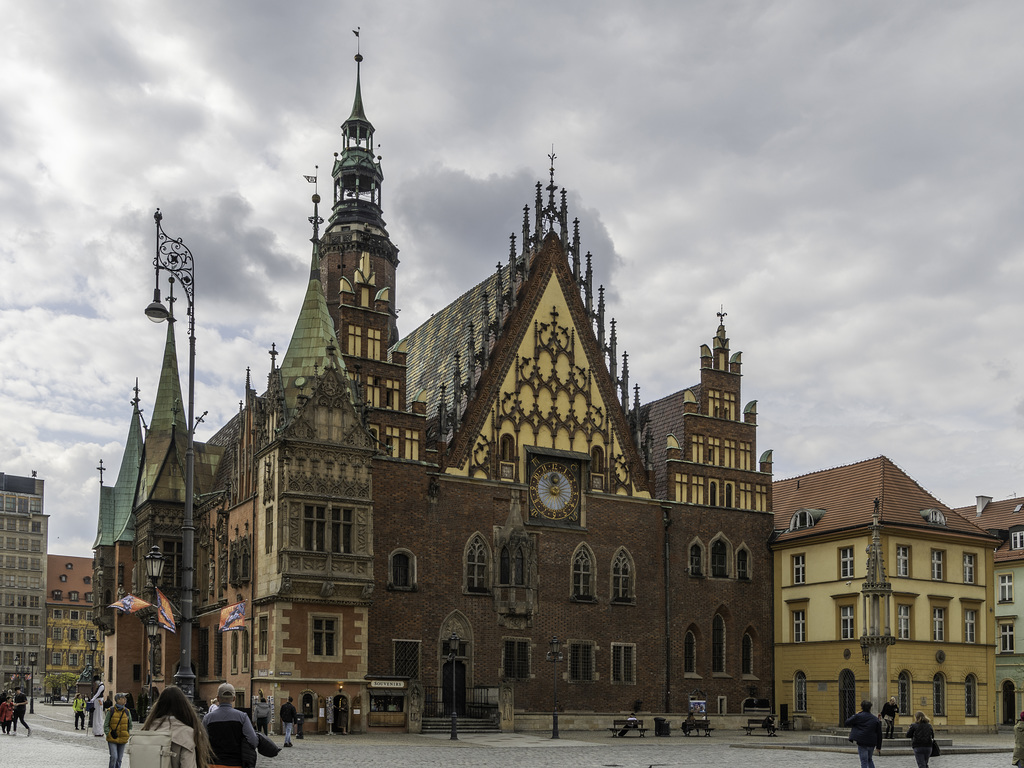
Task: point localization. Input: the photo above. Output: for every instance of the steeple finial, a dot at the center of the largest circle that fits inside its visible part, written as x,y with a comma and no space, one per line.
101,469
721,314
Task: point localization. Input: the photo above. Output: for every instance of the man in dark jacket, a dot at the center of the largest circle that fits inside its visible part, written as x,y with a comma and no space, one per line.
288,718
228,728
866,732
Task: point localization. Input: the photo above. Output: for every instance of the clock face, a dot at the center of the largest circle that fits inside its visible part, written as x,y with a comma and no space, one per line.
554,491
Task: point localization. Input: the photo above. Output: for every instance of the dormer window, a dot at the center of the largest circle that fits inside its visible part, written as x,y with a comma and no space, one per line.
805,518
1017,539
934,516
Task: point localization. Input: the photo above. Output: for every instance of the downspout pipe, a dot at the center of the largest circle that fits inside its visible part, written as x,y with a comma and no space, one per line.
666,522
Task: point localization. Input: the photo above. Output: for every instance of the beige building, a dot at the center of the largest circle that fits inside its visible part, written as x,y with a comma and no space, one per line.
935,618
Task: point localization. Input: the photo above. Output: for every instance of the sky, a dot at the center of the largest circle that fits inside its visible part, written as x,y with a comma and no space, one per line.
844,180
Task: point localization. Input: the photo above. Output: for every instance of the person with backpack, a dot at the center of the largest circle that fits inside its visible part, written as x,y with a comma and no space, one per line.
262,712
78,707
117,727
288,718
173,736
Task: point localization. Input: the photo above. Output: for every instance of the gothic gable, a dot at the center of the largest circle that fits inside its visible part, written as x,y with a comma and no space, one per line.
548,389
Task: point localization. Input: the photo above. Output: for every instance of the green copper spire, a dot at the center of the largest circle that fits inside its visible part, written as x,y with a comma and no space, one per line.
314,345
168,413
357,105
116,521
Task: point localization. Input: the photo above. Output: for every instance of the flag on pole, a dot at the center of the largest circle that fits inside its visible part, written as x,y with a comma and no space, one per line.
310,179
232,617
164,612
130,604
356,31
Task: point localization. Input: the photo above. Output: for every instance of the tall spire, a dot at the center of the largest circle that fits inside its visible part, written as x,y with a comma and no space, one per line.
314,345
168,413
357,173
117,502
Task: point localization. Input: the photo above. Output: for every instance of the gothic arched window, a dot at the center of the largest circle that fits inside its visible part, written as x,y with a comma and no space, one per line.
582,574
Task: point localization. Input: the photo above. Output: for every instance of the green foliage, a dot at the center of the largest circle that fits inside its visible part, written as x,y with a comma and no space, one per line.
61,681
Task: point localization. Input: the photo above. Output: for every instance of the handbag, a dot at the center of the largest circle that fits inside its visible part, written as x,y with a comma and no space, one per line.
88,706
935,749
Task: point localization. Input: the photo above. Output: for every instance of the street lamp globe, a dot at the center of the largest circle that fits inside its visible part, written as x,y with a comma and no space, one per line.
154,564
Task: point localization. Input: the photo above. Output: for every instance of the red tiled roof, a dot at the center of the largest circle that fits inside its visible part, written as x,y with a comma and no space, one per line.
848,493
1002,516
57,566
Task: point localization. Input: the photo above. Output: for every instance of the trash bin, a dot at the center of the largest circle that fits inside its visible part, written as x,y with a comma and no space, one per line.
299,720
661,727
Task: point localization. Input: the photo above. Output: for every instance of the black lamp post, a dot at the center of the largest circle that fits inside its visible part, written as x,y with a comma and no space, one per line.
555,656
173,257
152,630
19,675
154,569
93,645
32,683
453,649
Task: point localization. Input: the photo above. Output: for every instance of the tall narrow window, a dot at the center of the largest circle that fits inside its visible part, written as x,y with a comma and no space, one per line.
476,566
971,696
516,661
581,662
799,626
742,565
968,568
799,569
696,556
505,568
1005,587
323,637
938,624
689,654
903,621
903,561
263,637
1006,643
846,630
970,623
719,559
623,663
939,694
748,654
937,563
519,573
903,693
800,692
622,578
582,568
846,563
400,571
718,644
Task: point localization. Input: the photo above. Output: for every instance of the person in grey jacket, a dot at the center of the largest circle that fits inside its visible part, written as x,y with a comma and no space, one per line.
866,733
262,712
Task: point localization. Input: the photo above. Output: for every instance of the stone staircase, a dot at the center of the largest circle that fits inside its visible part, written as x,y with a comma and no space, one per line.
465,725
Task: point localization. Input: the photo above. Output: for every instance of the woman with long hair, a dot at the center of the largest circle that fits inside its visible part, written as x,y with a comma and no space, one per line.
172,711
921,736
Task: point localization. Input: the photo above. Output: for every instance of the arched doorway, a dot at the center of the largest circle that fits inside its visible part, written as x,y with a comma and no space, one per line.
340,714
459,688
1009,703
847,696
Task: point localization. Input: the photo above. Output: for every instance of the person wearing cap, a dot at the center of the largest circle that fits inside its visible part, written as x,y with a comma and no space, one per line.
228,729
1018,742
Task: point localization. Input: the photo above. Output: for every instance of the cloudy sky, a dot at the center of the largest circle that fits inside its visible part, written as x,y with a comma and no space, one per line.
845,179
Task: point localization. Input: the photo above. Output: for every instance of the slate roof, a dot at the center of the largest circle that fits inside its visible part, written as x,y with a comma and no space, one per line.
116,521
847,494
999,517
665,417
432,347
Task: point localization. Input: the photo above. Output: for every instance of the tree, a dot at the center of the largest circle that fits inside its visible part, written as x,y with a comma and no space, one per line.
60,681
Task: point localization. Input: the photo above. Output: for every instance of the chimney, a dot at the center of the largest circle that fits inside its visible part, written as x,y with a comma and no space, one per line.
982,503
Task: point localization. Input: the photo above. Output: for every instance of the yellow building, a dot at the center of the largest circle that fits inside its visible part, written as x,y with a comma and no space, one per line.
935,621
69,624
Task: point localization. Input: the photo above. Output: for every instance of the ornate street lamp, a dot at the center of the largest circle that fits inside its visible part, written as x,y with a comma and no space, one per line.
152,630
32,683
555,656
453,649
154,565
176,259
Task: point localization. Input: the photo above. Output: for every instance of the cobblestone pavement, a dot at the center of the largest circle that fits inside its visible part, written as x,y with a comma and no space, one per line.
55,743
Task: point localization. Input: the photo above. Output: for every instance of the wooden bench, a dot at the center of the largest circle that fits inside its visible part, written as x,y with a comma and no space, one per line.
625,727
702,724
755,723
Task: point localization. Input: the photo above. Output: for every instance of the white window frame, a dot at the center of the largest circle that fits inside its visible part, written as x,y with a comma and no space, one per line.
1006,588
800,626
846,563
969,562
1017,540
902,561
846,628
799,569
1006,638
938,565
903,621
970,625
938,624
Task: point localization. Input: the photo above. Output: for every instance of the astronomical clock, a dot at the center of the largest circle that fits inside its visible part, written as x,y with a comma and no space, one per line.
554,482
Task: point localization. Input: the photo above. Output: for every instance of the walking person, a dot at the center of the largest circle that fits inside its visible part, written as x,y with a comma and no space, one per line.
1018,742
174,713
262,712
229,729
78,706
95,706
888,714
6,713
866,732
288,718
921,736
117,727
20,704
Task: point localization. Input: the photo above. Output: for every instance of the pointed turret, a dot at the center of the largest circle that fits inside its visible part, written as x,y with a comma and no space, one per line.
168,414
314,344
128,477
357,173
